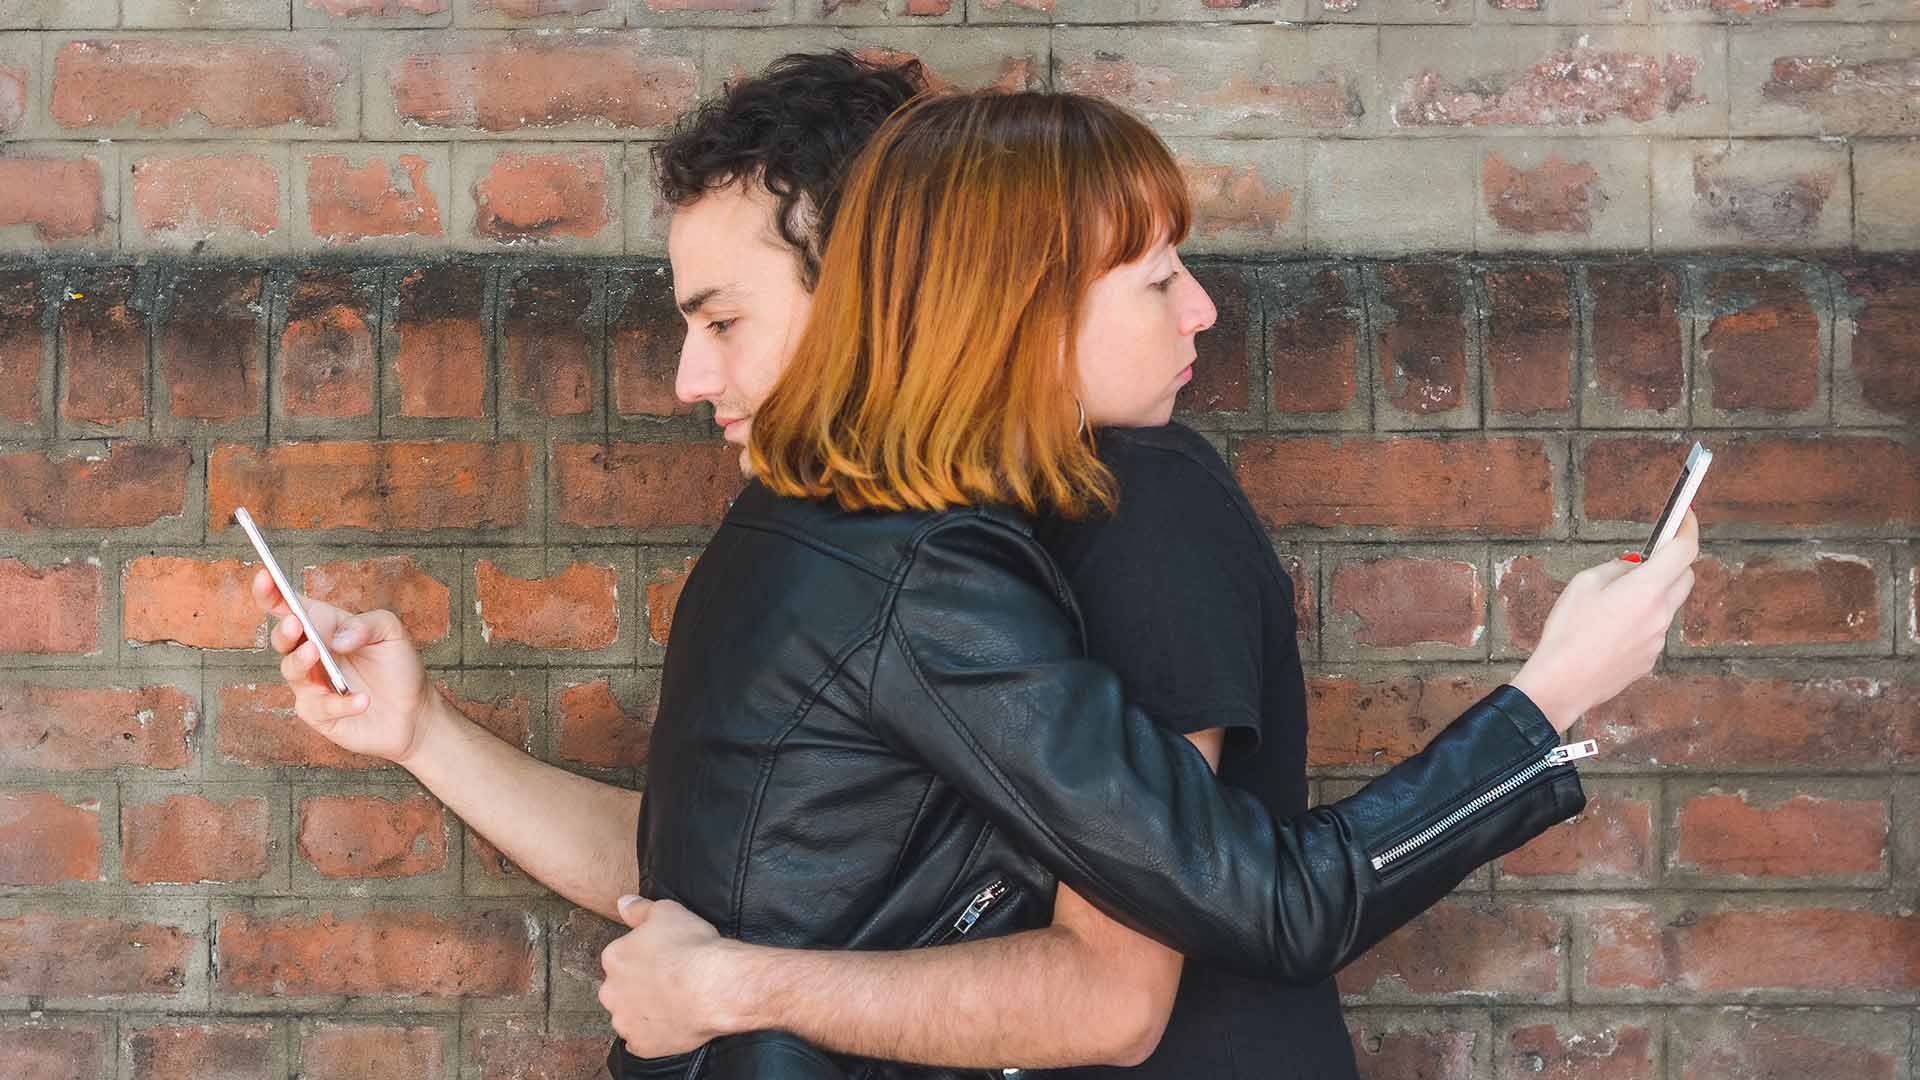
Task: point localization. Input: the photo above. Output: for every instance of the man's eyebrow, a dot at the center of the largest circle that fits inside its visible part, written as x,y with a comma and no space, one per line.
700,299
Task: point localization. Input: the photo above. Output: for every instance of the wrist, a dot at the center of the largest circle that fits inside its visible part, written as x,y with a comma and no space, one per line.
1541,691
431,726
732,989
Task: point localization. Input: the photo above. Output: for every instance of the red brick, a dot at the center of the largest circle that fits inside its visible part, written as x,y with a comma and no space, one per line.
1753,1045
1404,601
591,727
210,353
481,954
178,1051
491,861
1455,947
343,9
367,836
1220,370
577,944
1570,1050
1529,339
643,485
331,1050
1639,361
526,195
190,839
1763,344
377,486
40,1049
52,955
203,195
550,341
506,1050
1298,89
1234,197
643,347
1313,337
258,727
326,349
133,484
1622,948
1566,87
103,340
441,358
524,82
1555,196
571,609
1885,342
382,198
1388,1053
45,840
1421,336
1731,833
663,595
1378,722
393,582
507,715
1772,480
530,9
65,729
205,605
56,607
1525,590
62,198
1764,600
1842,89
23,345
1712,721
1805,949
1407,483
157,83
1610,842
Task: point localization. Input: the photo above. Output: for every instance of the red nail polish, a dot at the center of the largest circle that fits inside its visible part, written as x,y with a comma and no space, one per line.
1631,556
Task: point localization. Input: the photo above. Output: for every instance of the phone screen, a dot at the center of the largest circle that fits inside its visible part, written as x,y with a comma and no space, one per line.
1679,498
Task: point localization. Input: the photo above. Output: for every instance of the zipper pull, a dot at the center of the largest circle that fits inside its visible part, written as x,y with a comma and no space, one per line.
1561,755
982,900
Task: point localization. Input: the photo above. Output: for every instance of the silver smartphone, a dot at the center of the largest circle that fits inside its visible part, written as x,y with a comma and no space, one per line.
338,678
1680,497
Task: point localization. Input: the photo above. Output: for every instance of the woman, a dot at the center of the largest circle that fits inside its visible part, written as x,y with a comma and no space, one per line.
877,728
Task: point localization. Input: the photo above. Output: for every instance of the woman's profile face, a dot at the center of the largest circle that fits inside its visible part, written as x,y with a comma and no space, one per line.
1135,347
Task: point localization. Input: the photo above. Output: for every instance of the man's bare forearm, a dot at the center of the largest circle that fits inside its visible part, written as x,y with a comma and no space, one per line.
572,834
1030,1000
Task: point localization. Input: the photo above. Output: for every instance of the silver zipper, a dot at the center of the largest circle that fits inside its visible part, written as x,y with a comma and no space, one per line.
1559,755
982,900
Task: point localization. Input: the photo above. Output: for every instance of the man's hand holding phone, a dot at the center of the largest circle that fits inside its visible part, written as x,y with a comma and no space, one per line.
388,691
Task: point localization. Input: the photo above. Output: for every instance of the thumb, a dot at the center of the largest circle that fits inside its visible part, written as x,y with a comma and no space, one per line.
1612,570
633,910
366,628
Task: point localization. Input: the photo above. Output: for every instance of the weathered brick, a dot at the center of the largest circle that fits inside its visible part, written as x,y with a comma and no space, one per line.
133,484
383,14
190,839
257,726
1772,194
386,952
1733,948
56,607
561,198
1243,193
439,342
66,729
550,340
396,583
395,485
1562,195
1877,361
47,838
1761,485
1582,1047
270,86
1421,338
1754,600
71,956
1357,195
1739,1043
1510,950
1401,484
371,836
573,608
1362,722
643,485
54,198
1405,605
1767,833
55,14
176,1051
591,726
1824,80
1431,1047
336,1050
1610,844
1886,188
643,344
578,941
663,595
36,1048
1530,345
1314,319
1224,364
505,1049
103,345
230,201
1762,357
204,14
326,352
1637,373
205,604
1722,722
367,198
26,348
210,348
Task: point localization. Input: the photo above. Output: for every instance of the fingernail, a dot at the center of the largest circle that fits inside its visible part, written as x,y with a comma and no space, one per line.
1631,556
340,639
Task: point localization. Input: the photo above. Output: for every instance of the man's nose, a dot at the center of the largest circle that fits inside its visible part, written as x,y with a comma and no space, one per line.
698,376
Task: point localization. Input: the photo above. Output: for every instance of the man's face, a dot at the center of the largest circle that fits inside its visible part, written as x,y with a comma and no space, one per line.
738,286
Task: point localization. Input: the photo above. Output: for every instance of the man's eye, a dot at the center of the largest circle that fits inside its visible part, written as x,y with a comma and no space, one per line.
719,326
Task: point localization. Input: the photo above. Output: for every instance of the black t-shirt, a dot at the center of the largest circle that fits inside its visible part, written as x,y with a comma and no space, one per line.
1184,597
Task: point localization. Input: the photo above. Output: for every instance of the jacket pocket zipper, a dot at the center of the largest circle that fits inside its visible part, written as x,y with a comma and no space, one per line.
1559,755
977,907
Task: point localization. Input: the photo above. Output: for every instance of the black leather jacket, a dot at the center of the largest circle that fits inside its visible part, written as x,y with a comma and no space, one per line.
880,731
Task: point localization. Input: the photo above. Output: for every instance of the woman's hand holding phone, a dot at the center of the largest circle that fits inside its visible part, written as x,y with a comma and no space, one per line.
382,717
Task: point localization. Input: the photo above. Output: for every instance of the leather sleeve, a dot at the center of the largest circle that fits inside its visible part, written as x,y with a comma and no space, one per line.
980,675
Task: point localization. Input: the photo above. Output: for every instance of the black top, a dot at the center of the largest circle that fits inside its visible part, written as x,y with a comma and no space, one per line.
1184,597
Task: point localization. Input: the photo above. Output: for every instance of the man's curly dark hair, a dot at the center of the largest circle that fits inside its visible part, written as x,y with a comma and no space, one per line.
795,128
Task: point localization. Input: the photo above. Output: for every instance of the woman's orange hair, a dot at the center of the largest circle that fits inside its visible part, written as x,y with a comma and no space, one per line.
937,367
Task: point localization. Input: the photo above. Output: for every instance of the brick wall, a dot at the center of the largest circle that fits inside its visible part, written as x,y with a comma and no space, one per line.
490,449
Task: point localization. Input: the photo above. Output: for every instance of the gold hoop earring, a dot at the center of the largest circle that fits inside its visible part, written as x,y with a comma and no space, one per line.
1082,410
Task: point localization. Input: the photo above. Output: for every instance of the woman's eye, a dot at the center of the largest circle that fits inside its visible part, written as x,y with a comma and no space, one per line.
1166,282
719,326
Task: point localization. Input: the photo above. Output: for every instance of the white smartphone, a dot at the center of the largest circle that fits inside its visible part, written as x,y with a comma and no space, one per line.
1680,497
334,673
